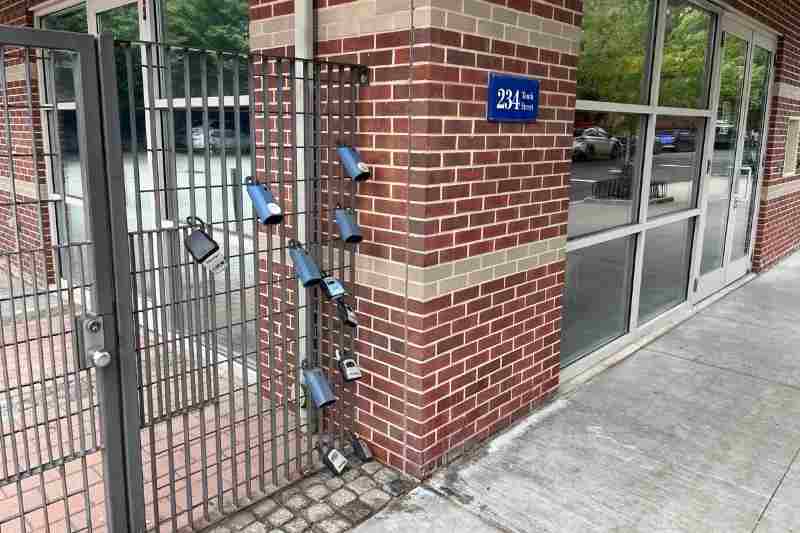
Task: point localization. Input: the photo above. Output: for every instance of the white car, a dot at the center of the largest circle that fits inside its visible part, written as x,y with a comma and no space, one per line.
594,142
218,137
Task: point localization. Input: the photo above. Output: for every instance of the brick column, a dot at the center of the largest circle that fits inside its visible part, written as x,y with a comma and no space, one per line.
461,272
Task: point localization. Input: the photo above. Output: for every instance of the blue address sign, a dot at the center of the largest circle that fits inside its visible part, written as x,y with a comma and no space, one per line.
512,98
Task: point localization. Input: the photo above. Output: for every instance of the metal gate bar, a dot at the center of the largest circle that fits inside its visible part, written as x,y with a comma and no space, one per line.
59,474
201,408
219,356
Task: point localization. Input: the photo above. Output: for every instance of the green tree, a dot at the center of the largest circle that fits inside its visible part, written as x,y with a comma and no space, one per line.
684,74
210,24
614,50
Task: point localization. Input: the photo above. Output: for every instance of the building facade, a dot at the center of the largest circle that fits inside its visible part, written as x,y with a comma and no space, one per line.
501,258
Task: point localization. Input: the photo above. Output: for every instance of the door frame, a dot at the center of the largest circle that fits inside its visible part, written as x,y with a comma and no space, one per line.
730,271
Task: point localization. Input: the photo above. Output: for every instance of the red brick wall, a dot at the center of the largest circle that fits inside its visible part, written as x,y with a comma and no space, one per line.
447,371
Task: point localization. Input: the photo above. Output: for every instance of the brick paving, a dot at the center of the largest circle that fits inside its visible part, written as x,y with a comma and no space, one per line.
322,502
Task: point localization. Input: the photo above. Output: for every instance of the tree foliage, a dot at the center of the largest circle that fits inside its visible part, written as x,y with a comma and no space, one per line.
616,37
686,62
213,24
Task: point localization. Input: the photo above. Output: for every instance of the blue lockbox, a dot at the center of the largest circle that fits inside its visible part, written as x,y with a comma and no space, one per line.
353,166
318,387
267,209
305,268
349,229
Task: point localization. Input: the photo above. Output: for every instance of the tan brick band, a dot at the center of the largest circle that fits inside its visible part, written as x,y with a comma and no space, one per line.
785,90
774,192
476,17
426,284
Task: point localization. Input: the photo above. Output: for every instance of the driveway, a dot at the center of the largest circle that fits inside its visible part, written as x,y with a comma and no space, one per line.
697,432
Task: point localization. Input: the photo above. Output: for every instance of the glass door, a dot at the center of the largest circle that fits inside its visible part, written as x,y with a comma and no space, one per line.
746,186
731,185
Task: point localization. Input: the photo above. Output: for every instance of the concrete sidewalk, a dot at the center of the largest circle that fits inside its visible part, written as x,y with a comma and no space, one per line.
697,432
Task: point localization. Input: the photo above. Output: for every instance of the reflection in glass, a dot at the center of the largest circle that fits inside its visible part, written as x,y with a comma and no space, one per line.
63,62
687,56
665,278
614,57
606,171
677,157
209,24
734,53
744,204
71,19
597,297
122,22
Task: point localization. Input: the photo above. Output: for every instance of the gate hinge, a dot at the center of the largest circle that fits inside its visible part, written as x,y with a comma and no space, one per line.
91,344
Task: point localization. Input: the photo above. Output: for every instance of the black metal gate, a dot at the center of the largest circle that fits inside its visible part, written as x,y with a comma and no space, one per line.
140,390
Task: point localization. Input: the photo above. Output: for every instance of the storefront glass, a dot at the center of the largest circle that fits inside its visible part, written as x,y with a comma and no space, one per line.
639,137
606,171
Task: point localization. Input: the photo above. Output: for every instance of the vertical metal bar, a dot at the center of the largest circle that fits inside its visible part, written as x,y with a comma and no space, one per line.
19,256
7,379
67,246
35,256
314,96
138,239
127,360
172,373
346,126
196,370
265,103
238,214
226,246
151,346
351,267
279,117
194,286
157,187
211,315
252,77
300,184
48,69
40,205
341,95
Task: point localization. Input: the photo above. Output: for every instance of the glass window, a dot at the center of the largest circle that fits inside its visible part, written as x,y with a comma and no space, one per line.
615,49
606,171
687,58
122,22
597,297
677,158
208,24
72,19
665,278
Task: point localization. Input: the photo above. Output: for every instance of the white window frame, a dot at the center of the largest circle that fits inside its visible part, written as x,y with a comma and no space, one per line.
791,164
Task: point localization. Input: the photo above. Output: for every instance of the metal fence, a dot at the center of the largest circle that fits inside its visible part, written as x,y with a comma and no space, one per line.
201,409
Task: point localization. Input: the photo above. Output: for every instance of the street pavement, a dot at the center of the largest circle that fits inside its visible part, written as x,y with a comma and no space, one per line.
697,432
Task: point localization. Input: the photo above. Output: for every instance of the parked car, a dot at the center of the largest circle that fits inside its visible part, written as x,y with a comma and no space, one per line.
677,140
218,137
593,142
